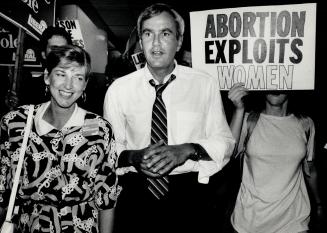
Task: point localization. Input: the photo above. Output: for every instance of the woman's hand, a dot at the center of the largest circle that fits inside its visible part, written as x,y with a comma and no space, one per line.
236,94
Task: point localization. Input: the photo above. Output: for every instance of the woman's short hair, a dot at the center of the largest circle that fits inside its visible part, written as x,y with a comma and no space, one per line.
157,9
68,54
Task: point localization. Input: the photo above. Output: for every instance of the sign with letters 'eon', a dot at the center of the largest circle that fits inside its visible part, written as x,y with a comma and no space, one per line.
265,47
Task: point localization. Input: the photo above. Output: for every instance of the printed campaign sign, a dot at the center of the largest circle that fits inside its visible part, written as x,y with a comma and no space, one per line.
265,47
74,29
32,15
9,43
138,60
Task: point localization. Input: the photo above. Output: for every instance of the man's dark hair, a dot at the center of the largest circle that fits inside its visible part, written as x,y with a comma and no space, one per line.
157,9
51,31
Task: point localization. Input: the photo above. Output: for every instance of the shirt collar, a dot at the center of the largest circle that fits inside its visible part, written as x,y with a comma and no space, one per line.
148,75
43,127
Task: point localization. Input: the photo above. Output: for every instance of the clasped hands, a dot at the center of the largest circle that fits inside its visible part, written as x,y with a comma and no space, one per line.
159,159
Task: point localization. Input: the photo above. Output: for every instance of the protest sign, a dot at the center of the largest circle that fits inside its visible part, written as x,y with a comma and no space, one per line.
265,47
74,29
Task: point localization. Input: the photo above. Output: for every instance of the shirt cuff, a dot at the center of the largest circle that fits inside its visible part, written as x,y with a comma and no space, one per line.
206,169
120,171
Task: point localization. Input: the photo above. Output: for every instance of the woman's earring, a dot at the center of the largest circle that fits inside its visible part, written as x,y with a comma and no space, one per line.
84,96
46,91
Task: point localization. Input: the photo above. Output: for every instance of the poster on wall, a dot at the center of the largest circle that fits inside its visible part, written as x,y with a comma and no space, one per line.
31,15
8,46
265,47
74,29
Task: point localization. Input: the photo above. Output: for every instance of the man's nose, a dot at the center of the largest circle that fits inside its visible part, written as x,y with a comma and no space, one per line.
156,39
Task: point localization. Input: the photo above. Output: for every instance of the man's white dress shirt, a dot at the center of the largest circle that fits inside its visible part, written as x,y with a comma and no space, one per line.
195,114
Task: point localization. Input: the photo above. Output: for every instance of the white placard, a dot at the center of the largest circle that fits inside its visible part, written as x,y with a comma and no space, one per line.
266,47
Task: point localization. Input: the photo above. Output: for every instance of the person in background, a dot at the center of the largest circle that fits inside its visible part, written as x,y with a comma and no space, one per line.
278,163
33,88
184,55
53,37
186,58
171,134
120,64
133,54
68,181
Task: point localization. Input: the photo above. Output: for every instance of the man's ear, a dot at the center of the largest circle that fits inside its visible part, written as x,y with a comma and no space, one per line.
140,43
179,43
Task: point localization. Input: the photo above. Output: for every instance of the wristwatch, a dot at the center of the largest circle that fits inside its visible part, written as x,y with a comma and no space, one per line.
198,152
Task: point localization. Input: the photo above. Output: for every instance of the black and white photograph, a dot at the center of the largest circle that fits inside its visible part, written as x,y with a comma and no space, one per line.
121,116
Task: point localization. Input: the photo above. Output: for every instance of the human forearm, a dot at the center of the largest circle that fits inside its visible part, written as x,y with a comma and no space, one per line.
237,123
312,181
236,95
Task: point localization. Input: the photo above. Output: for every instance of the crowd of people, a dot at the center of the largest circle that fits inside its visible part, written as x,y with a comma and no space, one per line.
155,159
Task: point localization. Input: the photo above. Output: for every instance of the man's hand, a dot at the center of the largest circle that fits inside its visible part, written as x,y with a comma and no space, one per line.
162,159
158,159
139,159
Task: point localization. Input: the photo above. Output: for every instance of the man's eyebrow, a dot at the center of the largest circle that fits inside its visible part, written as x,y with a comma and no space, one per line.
146,30
167,29
162,30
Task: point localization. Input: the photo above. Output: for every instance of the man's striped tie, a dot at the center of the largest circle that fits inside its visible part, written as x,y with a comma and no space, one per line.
159,186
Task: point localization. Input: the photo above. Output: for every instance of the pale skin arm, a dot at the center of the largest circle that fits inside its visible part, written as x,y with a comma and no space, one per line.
106,219
236,94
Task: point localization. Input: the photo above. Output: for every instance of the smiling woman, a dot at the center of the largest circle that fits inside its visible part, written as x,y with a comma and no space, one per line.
68,69
69,182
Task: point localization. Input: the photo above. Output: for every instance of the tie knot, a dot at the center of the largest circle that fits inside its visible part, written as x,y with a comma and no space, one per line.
161,87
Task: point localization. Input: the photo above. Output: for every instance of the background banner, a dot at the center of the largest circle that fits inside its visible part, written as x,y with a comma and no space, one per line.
8,46
74,29
32,15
